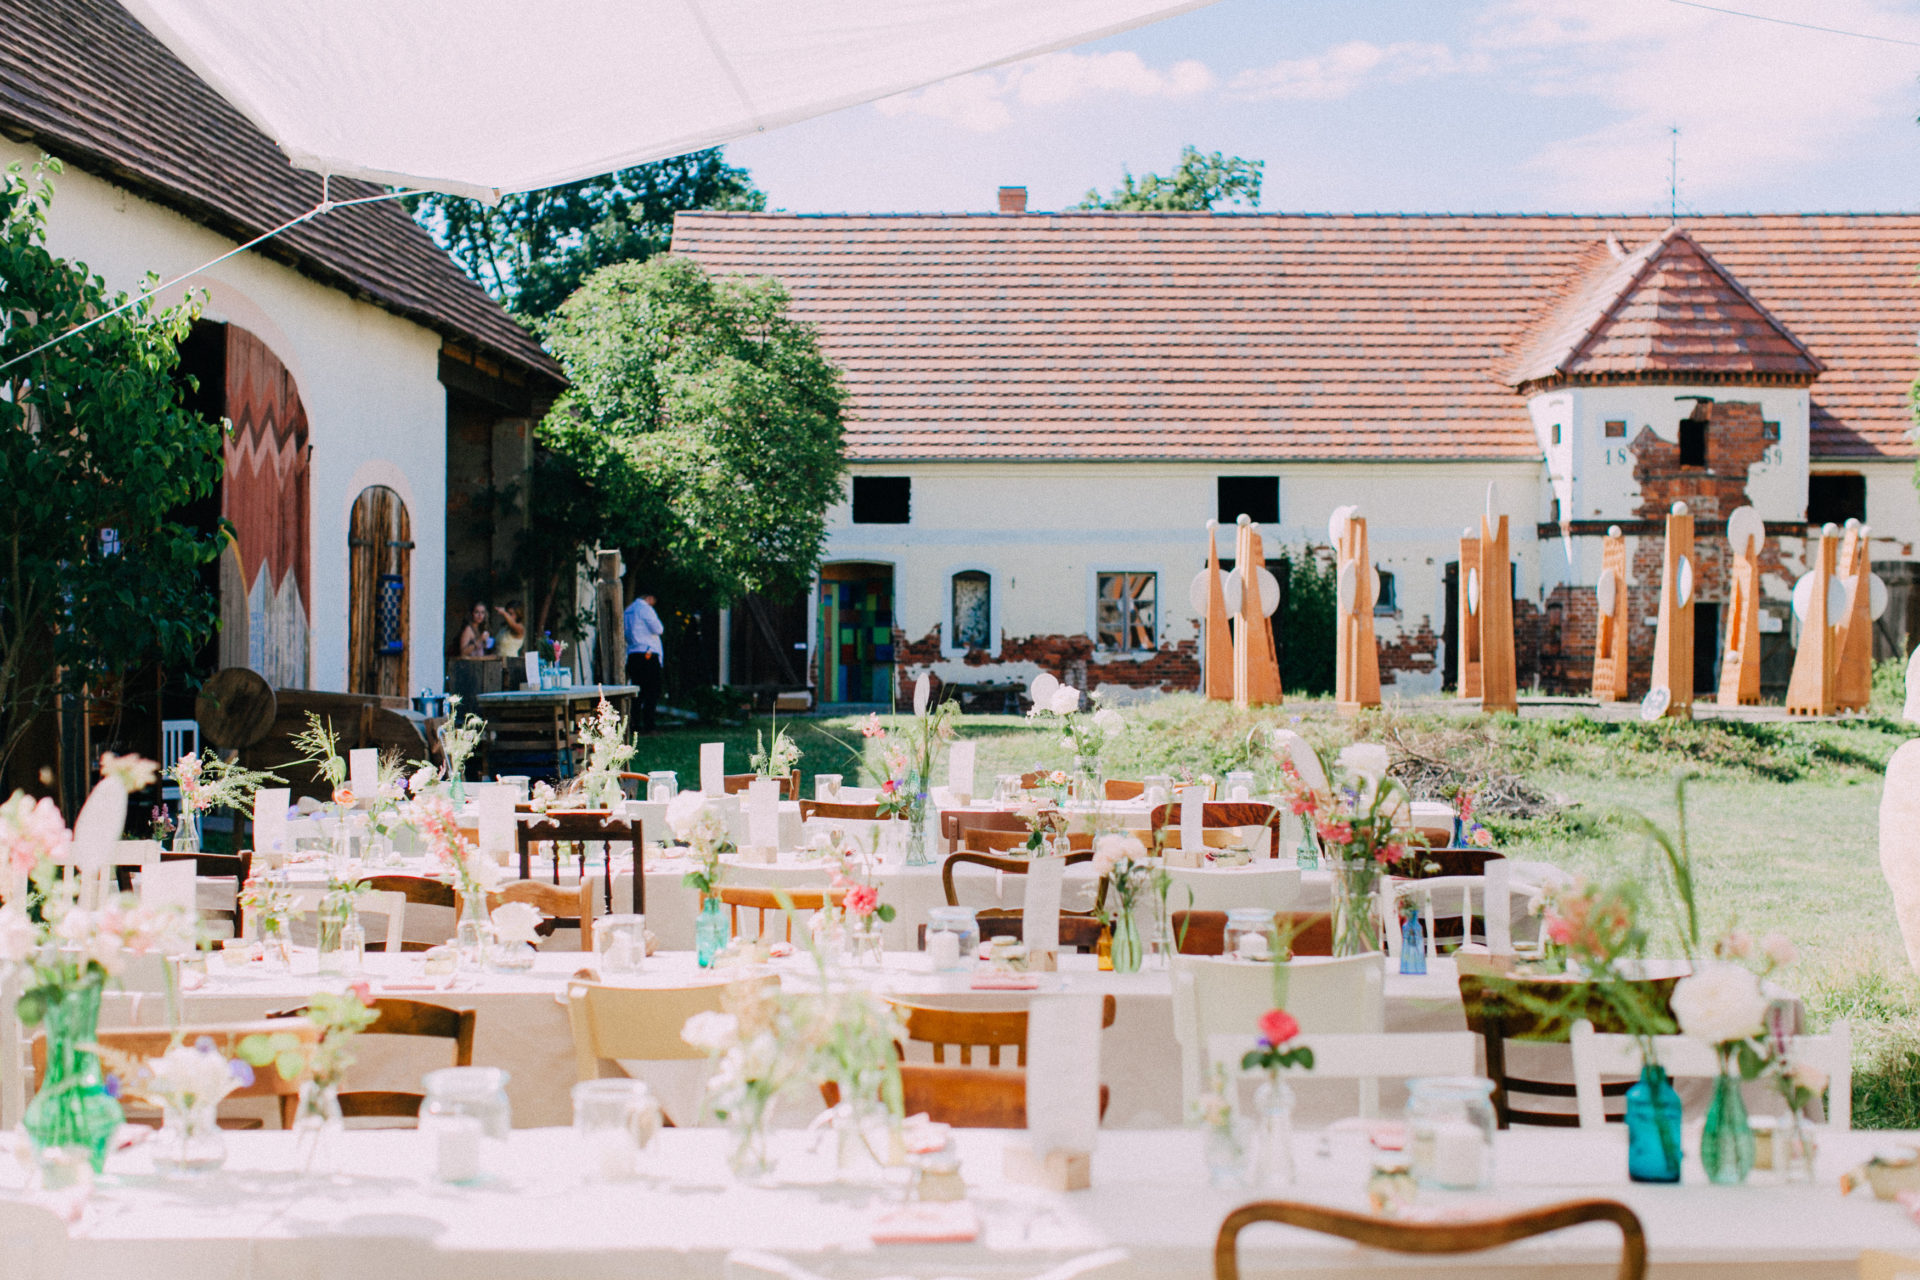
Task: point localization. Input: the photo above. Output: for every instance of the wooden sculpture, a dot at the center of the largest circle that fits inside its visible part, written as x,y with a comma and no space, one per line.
1210,602
1740,656
1610,650
1468,590
1853,629
1810,691
1256,667
1673,643
1498,688
1356,679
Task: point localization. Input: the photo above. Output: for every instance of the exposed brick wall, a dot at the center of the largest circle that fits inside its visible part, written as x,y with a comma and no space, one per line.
1398,655
1174,667
1736,439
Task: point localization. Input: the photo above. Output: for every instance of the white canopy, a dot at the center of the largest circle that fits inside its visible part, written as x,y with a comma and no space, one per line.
479,97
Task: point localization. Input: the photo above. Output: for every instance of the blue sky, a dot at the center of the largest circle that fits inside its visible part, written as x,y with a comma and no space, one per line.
1468,105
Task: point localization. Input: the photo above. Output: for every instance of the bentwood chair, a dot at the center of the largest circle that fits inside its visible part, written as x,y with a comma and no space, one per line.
1204,933
563,906
831,809
737,783
955,823
583,827
1077,928
1432,1237
991,1029
615,1025
1222,815
151,1042
759,898
397,1017
1123,789
421,891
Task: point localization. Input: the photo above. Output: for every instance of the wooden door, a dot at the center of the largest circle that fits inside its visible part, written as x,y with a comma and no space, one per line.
379,594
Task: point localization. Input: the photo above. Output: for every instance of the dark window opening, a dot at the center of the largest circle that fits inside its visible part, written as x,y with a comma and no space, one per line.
1836,499
1255,497
972,610
1693,442
1617,429
1556,433
882,499
1388,600
1769,431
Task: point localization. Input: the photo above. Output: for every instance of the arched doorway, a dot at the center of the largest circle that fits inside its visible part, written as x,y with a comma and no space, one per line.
265,590
379,550
856,633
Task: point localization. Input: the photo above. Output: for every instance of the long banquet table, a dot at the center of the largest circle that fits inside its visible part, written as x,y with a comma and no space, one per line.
538,1214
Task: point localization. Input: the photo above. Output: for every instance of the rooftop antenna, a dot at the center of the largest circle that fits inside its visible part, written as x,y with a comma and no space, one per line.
1673,174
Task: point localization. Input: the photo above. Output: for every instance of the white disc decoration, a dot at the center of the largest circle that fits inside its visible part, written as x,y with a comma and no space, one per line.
1337,523
1197,593
1608,590
1655,704
1836,601
1349,586
1269,591
1746,531
1231,589
1473,590
1802,596
1683,584
1042,689
1876,596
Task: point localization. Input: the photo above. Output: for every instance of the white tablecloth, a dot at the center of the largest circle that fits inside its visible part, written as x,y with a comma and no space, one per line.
539,1215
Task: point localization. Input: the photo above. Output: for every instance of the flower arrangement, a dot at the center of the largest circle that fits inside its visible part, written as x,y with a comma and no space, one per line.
698,823
608,752
1126,872
1083,732
1363,818
184,1078
1272,1053
910,752
208,782
543,797
473,873
271,904
775,760
516,923
1044,823
32,833
459,737
1471,831
319,746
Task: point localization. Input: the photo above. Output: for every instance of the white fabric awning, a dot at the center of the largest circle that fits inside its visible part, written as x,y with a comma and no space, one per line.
480,97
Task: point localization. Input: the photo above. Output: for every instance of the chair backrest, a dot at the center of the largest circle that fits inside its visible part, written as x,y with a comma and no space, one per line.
1010,866
1500,1008
954,823
574,826
564,904
393,906
178,738
1597,1054
151,1042
1260,885
1432,1237
737,783
1226,997
398,1017
1123,789
641,1024
422,891
763,899
1450,860
836,809
993,1029
964,1097
33,1240
1370,1057
1204,933
751,1264
1215,814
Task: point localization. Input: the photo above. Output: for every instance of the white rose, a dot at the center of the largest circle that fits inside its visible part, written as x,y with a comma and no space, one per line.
1109,721
422,778
1720,1002
18,935
485,872
1110,850
1368,759
1065,700
683,813
516,922
710,1031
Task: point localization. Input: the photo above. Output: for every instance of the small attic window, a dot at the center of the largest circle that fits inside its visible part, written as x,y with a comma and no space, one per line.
1556,433
1769,431
1617,429
1693,442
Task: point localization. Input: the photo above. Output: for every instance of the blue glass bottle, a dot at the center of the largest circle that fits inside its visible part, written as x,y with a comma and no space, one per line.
710,931
1653,1127
1413,944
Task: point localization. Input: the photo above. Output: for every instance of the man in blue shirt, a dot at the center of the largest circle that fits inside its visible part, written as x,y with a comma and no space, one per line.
646,657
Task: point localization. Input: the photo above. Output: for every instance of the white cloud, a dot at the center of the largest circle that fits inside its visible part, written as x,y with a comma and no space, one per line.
983,102
1341,70
1751,98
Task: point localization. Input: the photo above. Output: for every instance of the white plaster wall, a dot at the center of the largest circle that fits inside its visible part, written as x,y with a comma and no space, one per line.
377,412
1893,505
1044,531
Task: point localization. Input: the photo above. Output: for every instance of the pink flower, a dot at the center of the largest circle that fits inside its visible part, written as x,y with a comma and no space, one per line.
889,786
1337,832
1481,838
1559,931
1464,801
30,830
873,728
863,900
363,992
1388,853
1303,804
1277,1026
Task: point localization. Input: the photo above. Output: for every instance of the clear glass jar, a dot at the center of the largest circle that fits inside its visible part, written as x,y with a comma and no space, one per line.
1450,1128
953,938
465,1108
1249,934
620,941
1240,784
662,784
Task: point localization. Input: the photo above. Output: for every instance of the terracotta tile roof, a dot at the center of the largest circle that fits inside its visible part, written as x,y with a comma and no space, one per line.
1666,308
82,80
1280,336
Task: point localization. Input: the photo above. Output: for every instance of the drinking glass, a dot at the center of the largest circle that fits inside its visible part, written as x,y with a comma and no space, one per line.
614,1120
621,943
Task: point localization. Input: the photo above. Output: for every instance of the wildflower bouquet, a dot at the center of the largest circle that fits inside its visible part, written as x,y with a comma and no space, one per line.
1363,819
775,760
473,873
1125,873
459,737
208,782
910,751
1084,732
608,753
699,824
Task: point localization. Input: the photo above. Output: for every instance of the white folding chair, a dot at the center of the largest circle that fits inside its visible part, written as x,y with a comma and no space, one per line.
389,903
178,739
1226,997
1372,1057
1596,1055
1422,893
1275,888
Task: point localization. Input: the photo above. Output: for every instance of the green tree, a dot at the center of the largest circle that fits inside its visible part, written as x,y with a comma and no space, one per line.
701,433
1199,182
1306,626
534,248
97,455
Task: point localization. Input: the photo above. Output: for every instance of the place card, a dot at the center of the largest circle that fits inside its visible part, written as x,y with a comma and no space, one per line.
1063,1092
270,820
1040,914
713,768
763,813
960,757
532,657
1193,802
165,885
496,819
927,1222
363,772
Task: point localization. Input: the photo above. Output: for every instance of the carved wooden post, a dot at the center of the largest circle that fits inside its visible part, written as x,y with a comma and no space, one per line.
1499,690
1673,644
1810,691
1256,667
1610,649
1356,681
1740,658
1211,605
1467,589
1853,629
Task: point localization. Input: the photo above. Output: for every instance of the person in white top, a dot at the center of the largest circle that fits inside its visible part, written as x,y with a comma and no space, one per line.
646,656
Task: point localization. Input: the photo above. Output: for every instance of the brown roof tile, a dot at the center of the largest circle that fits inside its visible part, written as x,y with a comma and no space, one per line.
1277,336
82,80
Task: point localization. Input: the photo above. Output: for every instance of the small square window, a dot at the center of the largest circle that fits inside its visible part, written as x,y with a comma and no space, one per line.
1556,433
1124,613
1616,429
1255,497
882,499
972,610
1836,499
1769,431
1388,600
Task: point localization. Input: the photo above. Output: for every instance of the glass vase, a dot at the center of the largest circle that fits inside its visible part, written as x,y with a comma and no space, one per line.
459,784
1306,855
1125,951
73,1108
1653,1127
317,1126
1226,1156
335,914
1272,1134
1795,1151
475,931
1355,922
750,1159
189,1142
1726,1144
710,932
1413,943
186,836
918,855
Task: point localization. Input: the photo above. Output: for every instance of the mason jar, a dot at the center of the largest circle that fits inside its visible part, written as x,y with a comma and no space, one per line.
1450,1128
953,938
1249,934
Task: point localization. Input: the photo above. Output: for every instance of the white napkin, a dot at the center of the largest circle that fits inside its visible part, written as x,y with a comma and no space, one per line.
763,813
270,819
713,768
496,819
363,772
532,657
1192,820
960,768
1040,916
1063,1073
169,884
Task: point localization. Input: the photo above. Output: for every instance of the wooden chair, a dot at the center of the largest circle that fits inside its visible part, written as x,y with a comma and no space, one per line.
1217,815
1123,789
981,840
1034,779
1011,866
151,1042
964,1097
1596,1054
398,1017
612,1024
421,891
737,783
954,824
844,812
212,866
583,827
1204,933
763,899
992,1029
1263,884
1432,1237
1500,1009
562,906
1079,929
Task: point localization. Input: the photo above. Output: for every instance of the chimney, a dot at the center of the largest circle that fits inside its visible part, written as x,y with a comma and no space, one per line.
1013,199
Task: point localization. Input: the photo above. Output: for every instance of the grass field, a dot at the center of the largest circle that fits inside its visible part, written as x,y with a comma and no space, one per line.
1783,820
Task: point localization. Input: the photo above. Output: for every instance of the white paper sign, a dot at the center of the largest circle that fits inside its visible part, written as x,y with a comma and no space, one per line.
1040,917
496,819
169,884
1192,801
363,772
763,813
1063,1073
713,768
533,668
960,771
270,819
1499,907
